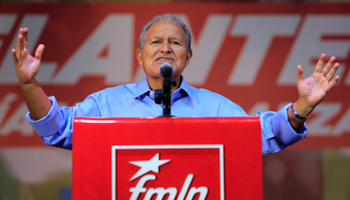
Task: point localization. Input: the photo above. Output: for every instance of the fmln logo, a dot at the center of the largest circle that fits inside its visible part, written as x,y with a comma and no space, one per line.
168,172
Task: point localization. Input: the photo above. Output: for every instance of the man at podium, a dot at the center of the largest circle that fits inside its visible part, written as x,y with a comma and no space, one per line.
164,39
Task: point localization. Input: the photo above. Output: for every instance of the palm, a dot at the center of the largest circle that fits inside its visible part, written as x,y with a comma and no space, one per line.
314,88
28,67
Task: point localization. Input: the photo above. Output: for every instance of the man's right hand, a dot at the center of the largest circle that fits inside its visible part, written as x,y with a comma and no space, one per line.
27,66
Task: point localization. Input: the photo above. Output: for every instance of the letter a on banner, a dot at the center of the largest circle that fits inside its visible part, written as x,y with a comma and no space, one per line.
115,34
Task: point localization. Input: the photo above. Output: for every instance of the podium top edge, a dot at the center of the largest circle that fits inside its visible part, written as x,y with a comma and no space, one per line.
165,119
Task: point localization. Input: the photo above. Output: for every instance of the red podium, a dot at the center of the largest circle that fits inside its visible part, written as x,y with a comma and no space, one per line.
167,158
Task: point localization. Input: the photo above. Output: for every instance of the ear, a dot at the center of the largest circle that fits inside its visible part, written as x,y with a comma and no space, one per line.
189,56
138,56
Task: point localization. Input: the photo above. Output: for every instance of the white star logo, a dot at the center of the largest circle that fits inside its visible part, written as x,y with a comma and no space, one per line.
148,165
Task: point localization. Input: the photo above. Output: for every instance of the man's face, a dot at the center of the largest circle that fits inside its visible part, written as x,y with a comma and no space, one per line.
165,42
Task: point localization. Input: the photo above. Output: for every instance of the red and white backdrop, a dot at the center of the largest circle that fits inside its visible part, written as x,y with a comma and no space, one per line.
246,52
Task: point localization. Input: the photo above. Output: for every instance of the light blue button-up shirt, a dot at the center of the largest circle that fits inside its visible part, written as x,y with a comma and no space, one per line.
137,100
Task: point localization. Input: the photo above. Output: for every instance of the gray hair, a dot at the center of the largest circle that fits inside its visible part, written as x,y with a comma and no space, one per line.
168,18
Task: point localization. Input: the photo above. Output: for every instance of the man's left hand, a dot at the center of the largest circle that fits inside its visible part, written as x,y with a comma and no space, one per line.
314,89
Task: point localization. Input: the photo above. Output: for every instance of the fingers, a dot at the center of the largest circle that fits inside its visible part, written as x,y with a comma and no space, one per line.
328,66
333,82
319,64
14,56
331,72
25,34
39,51
22,41
19,45
300,73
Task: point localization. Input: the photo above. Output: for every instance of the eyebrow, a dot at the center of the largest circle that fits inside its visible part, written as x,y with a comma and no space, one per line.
171,38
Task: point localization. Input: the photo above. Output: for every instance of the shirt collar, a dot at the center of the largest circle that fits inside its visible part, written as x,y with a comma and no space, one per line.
143,89
185,89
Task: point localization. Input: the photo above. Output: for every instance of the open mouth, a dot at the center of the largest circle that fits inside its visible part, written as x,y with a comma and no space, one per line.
165,59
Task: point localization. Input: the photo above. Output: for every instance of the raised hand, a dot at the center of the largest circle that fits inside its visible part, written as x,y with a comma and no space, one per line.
27,66
314,89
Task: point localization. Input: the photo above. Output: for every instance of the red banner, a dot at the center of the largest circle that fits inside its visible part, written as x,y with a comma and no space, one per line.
246,52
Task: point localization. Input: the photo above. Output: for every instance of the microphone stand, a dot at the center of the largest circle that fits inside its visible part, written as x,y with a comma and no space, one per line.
165,96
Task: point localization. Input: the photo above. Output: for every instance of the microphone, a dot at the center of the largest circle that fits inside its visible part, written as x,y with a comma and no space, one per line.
166,70
164,95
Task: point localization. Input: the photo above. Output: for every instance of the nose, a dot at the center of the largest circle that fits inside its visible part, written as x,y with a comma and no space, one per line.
165,48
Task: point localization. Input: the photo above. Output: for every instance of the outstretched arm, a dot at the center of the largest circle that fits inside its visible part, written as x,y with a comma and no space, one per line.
313,89
27,67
